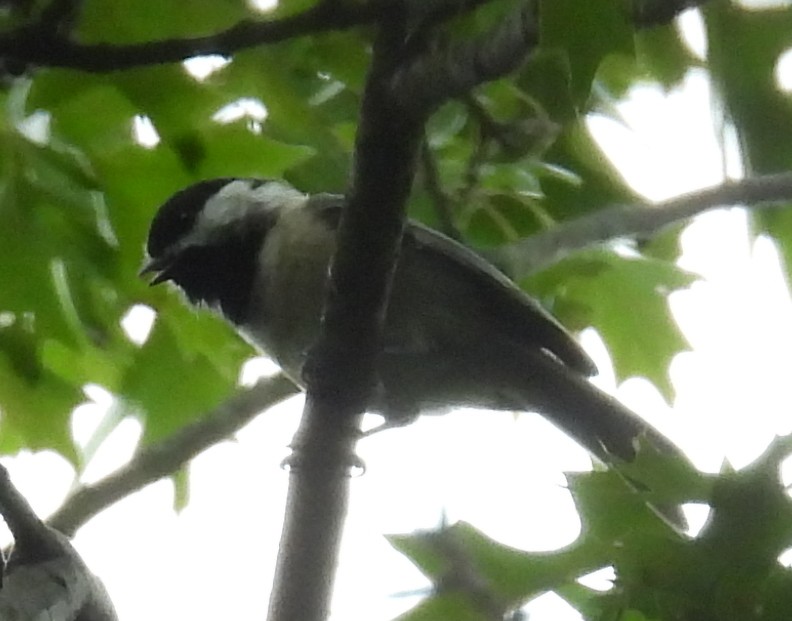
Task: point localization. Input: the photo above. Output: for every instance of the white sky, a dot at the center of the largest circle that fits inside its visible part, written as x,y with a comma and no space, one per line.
505,476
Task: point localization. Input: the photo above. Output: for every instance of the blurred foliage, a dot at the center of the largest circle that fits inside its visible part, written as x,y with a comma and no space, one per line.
630,294
729,571
79,185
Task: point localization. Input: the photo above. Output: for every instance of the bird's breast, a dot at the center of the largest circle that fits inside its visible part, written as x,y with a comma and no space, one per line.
285,310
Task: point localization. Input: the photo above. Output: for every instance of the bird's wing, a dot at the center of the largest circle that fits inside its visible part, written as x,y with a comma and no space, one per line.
437,261
515,313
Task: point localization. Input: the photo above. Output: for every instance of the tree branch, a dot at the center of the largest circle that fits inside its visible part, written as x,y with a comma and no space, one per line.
340,373
162,459
640,220
40,45
44,43
437,76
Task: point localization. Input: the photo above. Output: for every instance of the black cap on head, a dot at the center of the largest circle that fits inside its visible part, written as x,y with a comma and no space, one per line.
177,216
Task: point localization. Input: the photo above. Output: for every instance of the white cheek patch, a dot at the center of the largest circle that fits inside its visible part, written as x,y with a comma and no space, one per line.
275,194
238,202
231,204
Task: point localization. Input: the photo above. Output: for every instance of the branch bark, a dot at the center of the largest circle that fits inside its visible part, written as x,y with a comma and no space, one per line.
435,77
41,46
45,43
639,220
340,373
164,458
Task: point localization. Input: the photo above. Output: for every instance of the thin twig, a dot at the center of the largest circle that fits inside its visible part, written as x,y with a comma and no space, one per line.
639,220
166,457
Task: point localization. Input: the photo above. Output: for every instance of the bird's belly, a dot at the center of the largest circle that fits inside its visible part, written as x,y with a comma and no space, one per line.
284,321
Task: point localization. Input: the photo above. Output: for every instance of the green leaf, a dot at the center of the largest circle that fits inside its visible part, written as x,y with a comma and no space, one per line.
546,78
592,182
611,510
665,479
236,151
625,300
663,54
200,334
291,118
587,31
96,134
160,92
751,521
36,406
511,576
165,402
131,21
729,572
589,603
83,366
51,230
744,48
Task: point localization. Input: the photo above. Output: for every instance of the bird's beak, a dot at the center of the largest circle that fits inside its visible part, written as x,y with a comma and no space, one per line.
161,265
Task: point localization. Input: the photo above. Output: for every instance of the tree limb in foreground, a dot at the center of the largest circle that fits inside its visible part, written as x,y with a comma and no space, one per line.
340,371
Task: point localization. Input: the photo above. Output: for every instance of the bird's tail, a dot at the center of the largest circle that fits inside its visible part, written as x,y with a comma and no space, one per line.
509,378
598,421
606,427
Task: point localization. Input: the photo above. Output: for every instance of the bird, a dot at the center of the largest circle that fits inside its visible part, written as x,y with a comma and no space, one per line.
457,331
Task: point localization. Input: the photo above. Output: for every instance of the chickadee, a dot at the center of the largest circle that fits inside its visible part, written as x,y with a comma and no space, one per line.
457,331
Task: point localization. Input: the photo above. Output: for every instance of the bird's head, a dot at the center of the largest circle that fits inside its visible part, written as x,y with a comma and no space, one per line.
206,237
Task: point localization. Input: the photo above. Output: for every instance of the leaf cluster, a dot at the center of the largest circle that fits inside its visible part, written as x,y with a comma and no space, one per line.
730,570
